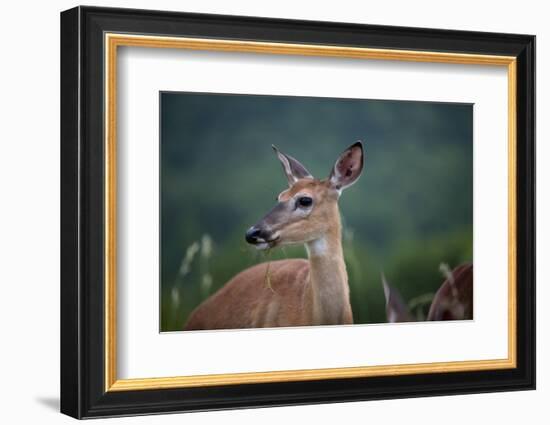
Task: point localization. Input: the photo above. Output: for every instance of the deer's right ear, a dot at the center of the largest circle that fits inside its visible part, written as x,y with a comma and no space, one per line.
348,167
294,171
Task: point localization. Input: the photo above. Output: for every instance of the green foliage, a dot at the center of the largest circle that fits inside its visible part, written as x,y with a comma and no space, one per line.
410,211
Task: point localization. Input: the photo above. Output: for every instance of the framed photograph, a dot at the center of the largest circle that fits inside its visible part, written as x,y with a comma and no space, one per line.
261,212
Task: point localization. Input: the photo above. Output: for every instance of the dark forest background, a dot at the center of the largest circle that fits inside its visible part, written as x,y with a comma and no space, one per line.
410,211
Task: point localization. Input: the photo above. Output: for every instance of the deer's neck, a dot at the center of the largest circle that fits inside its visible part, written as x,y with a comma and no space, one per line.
328,278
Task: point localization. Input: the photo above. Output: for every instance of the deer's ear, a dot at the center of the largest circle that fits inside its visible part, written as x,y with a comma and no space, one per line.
348,167
396,309
293,169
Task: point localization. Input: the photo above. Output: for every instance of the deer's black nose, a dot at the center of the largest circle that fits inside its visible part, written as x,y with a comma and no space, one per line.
253,235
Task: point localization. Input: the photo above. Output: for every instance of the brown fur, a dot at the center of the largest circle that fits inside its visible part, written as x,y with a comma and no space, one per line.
247,301
454,301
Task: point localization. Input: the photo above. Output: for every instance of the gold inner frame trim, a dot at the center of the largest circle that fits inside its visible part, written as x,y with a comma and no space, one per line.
113,41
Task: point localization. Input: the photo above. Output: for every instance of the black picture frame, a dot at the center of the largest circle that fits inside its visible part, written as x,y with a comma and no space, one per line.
83,392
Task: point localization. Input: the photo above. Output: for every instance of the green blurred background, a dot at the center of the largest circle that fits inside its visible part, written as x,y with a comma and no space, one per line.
410,211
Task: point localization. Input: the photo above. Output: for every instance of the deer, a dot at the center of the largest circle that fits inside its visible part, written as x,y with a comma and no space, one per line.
301,292
452,301
396,309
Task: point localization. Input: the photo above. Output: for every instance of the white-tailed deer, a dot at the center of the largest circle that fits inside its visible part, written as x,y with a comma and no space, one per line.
300,292
396,309
452,301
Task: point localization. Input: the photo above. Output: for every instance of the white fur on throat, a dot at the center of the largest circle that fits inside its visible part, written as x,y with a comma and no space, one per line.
317,247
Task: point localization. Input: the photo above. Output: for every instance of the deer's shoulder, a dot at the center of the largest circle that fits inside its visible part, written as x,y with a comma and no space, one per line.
280,266
232,306
280,273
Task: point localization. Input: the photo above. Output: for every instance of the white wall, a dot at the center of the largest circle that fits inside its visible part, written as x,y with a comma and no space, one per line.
29,224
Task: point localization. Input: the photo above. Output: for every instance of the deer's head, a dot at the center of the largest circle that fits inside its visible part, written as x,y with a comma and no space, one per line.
309,207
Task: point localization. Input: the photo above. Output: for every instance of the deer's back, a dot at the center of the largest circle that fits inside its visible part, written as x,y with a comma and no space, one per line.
266,295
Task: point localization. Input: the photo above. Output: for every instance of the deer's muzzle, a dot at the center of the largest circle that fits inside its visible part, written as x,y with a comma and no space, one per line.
259,238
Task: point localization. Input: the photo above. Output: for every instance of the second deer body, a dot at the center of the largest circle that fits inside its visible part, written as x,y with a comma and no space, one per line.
300,292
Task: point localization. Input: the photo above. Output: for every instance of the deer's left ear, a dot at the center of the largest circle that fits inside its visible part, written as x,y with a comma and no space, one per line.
294,171
348,167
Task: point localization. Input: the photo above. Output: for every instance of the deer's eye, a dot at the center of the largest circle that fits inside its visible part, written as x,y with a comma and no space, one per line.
304,201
